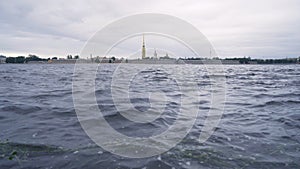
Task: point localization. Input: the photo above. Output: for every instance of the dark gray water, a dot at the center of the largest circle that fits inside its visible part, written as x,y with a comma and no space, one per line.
260,127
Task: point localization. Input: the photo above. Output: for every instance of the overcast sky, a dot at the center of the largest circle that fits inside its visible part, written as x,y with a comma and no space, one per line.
256,28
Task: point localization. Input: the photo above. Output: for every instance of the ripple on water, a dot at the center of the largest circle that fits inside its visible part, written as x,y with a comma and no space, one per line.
259,128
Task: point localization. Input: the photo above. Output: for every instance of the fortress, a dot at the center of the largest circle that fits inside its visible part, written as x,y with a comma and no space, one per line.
153,59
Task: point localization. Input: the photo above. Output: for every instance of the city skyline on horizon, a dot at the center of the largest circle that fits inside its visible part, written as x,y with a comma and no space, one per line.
143,53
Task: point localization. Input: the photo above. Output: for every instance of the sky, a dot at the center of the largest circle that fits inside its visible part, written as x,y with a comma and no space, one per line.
256,28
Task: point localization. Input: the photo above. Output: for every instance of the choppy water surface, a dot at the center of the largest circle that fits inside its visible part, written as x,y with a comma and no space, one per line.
260,127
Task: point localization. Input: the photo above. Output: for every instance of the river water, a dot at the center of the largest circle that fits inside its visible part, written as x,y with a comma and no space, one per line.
259,128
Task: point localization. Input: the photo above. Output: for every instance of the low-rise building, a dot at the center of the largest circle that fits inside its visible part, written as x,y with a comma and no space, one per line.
2,59
230,62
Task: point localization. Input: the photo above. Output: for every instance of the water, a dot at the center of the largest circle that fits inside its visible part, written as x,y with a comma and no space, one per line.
260,126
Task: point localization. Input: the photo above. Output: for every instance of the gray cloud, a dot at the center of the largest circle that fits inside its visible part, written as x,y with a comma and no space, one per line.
235,27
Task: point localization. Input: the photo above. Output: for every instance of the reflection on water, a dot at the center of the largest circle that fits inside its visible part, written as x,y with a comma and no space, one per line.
259,128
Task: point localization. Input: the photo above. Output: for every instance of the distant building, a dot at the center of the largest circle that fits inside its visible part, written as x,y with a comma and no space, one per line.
2,59
143,49
230,62
102,60
36,62
62,61
165,57
155,54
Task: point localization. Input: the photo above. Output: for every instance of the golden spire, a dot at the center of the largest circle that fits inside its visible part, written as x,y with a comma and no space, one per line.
155,54
143,49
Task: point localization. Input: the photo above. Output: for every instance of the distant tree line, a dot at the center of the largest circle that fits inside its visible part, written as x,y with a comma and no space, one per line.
278,61
71,57
23,59
248,60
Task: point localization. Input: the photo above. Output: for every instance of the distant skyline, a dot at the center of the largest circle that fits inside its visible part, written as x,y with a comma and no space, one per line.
260,29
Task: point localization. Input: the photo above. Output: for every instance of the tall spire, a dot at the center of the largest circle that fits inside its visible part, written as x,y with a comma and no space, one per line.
155,54
143,49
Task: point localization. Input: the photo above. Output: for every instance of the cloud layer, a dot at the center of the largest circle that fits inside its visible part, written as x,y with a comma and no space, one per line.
261,29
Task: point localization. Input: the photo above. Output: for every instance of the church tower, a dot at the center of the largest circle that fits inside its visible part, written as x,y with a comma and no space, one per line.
155,54
143,49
